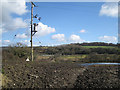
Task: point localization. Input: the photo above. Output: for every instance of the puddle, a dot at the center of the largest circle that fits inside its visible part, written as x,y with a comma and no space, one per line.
89,64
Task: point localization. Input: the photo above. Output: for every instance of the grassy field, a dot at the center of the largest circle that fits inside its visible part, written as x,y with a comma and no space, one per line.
89,58
99,46
73,56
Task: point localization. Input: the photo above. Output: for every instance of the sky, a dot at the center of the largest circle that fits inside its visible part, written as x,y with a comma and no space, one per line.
61,22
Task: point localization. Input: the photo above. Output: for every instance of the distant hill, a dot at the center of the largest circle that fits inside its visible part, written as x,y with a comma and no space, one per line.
95,44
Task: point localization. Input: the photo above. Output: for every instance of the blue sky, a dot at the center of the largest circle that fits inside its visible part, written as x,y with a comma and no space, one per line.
62,23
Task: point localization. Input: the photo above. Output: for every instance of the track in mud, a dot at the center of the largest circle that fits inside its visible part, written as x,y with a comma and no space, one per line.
38,74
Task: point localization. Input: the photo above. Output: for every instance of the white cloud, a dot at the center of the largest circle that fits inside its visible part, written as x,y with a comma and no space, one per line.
17,7
109,9
19,23
27,42
21,35
43,29
76,39
82,31
0,32
59,37
109,39
71,0
8,8
0,42
15,24
7,41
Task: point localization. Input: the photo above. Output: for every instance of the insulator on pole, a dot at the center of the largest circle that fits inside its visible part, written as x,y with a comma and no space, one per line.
39,18
35,16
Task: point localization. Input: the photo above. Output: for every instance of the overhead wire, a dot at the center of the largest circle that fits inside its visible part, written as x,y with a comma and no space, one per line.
14,37
38,41
56,7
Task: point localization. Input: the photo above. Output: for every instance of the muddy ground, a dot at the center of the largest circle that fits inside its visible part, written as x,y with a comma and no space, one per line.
44,74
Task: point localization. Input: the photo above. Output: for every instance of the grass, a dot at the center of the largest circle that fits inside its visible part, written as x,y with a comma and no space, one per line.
41,57
70,57
99,46
4,80
73,56
89,58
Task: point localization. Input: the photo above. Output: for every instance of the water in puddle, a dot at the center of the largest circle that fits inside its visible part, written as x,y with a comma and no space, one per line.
89,64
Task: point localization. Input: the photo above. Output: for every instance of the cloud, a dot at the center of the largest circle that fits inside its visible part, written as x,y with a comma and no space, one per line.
76,39
19,23
0,42
27,42
7,41
59,37
109,9
15,24
109,39
8,8
21,35
82,31
17,7
43,29
0,32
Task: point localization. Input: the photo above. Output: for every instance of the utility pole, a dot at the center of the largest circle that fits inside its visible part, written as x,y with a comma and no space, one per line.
33,31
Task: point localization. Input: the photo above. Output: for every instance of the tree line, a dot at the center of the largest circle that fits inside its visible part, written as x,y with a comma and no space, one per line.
77,49
97,44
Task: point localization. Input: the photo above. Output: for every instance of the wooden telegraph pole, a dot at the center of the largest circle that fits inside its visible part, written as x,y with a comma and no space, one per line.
33,31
